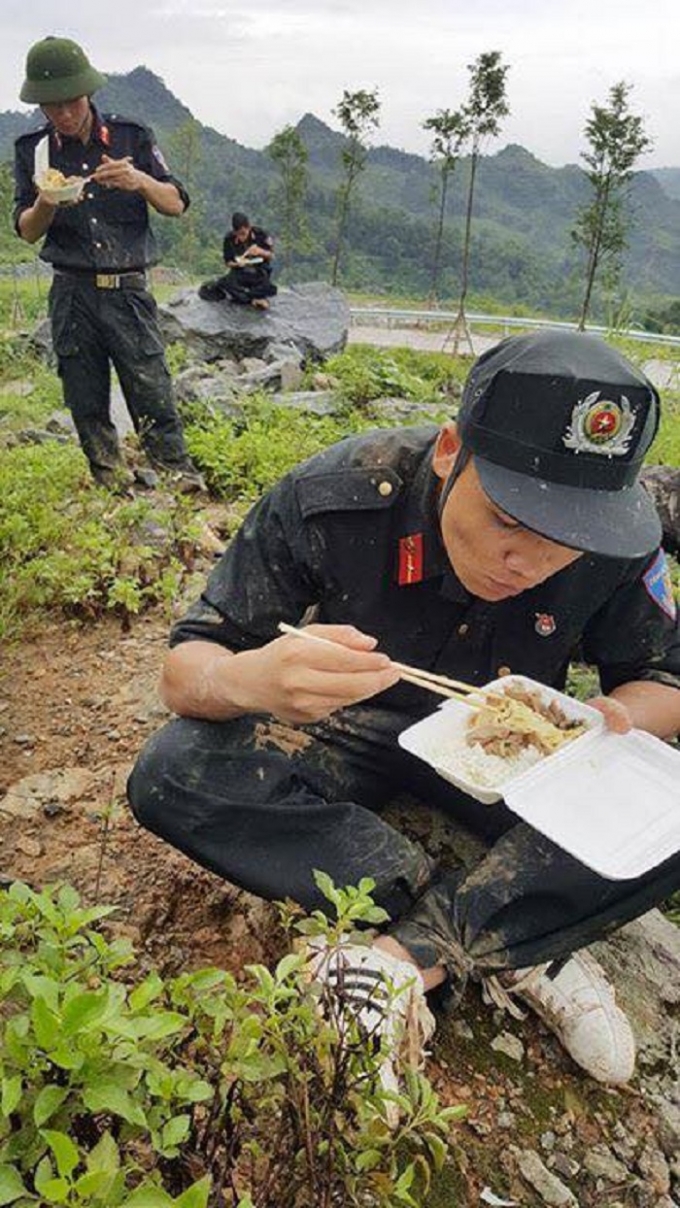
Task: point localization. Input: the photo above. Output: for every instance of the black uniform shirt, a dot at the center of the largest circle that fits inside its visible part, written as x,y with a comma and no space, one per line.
232,249
108,231
342,529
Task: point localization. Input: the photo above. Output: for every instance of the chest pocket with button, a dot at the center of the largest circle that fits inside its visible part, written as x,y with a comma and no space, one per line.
352,490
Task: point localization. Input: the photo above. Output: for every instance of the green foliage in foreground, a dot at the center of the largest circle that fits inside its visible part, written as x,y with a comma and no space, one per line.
65,545
365,373
199,1091
29,391
23,300
243,457
666,448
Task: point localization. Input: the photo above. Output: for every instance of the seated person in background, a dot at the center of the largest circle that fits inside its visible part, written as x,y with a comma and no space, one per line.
247,252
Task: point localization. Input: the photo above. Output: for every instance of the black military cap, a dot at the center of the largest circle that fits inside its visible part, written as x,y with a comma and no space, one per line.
558,423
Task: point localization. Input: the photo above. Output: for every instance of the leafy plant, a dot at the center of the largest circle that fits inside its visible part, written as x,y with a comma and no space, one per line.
449,131
481,117
65,545
200,1091
359,114
288,152
616,140
242,457
364,374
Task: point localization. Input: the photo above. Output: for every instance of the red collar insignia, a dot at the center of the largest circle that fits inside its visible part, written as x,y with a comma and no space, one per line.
100,131
410,560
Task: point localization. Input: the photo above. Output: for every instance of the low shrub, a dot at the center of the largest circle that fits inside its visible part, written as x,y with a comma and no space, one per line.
67,546
199,1091
365,373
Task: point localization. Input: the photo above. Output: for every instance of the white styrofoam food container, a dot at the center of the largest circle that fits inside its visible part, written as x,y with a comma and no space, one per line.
66,194
611,800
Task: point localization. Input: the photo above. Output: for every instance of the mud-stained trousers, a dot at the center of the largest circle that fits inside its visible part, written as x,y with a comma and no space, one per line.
94,328
263,805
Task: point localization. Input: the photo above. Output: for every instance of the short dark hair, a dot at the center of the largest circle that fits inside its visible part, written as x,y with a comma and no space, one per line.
239,220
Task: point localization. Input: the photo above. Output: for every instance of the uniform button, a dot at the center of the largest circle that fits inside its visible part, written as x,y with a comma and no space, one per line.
462,629
97,245
385,488
503,671
86,167
93,221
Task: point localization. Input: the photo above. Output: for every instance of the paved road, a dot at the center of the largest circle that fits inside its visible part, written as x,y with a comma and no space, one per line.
664,374
422,338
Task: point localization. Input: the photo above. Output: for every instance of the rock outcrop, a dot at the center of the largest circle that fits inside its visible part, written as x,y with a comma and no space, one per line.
313,318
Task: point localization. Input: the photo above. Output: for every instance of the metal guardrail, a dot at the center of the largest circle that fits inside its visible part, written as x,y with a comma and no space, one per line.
504,321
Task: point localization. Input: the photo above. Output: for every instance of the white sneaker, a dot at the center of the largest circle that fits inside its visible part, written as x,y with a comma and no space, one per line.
578,1004
386,998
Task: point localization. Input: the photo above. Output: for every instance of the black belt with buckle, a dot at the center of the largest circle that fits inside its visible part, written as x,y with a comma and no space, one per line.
132,280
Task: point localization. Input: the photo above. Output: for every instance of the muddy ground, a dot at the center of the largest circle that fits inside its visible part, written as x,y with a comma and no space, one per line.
76,704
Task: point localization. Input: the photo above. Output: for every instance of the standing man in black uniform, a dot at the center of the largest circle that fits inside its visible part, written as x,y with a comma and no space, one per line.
101,310
499,543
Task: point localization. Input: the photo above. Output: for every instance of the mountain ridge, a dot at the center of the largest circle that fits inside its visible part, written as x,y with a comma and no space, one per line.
522,251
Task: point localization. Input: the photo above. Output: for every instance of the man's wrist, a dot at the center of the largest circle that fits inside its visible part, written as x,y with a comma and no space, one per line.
231,682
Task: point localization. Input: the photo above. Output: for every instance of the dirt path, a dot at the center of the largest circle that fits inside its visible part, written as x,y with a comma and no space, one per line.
75,707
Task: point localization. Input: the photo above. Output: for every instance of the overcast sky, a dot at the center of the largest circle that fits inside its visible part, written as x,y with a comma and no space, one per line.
249,68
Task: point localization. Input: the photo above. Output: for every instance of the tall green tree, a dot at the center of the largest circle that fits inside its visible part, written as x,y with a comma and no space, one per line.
616,139
290,156
185,152
358,114
450,130
484,109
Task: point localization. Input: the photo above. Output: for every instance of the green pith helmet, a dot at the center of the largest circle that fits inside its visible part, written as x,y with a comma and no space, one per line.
58,70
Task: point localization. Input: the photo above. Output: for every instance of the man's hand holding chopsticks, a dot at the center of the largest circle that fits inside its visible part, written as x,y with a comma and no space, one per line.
294,679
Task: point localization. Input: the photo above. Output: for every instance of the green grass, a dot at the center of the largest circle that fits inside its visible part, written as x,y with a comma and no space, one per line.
666,447
71,549
19,370
23,301
365,373
67,547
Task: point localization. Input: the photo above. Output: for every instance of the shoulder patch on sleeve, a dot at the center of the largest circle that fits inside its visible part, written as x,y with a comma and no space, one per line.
159,157
355,490
657,581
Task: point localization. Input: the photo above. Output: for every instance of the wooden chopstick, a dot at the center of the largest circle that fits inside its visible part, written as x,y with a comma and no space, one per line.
431,686
444,680
441,684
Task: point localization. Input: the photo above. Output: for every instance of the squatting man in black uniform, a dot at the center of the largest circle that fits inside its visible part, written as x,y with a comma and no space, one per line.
502,542
101,310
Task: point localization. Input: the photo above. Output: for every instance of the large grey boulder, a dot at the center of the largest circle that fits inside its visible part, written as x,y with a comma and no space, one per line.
312,318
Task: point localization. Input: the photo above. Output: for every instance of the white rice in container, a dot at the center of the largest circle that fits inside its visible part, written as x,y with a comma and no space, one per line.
440,740
472,763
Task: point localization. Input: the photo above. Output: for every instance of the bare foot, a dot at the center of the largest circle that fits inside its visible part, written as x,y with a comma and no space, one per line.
260,303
